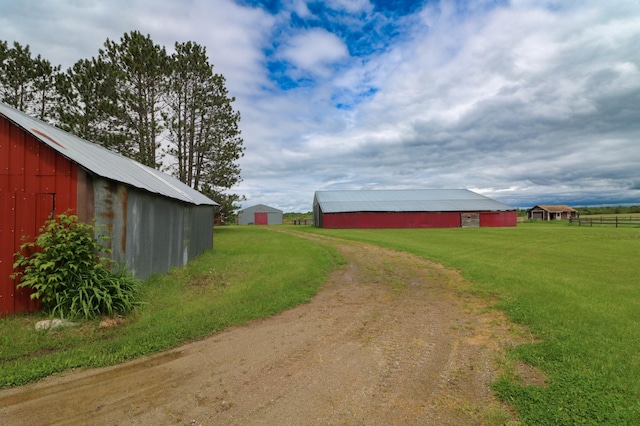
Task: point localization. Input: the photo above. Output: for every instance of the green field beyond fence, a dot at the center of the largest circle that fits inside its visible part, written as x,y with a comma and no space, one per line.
616,221
576,288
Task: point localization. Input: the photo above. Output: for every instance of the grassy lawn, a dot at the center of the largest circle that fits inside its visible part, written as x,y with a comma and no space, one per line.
251,273
578,291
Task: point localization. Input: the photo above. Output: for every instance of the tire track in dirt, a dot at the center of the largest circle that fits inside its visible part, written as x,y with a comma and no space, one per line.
388,340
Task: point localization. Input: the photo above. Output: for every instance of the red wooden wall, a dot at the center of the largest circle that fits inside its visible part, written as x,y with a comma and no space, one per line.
35,183
495,219
412,220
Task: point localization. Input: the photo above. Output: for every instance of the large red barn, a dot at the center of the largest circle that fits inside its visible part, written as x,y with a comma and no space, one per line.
416,208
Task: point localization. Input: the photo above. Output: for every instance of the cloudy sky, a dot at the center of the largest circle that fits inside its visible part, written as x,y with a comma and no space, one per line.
525,101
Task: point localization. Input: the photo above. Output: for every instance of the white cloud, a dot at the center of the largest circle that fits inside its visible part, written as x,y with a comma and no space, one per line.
314,50
350,6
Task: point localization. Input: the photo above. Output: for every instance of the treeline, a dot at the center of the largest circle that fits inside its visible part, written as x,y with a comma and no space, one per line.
289,218
167,111
596,210
608,210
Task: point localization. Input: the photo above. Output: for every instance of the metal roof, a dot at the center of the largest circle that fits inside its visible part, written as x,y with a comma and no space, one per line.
411,200
554,208
105,163
261,208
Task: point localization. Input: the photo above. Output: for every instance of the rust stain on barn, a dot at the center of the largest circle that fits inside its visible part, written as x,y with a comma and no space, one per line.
44,135
155,221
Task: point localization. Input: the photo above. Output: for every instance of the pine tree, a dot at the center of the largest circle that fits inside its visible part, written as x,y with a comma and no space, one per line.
87,106
43,87
17,77
140,68
203,127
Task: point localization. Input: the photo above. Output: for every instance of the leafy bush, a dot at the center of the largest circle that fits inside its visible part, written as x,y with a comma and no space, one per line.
67,269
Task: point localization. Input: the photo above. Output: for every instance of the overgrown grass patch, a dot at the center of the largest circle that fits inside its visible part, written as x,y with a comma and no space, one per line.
576,288
251,273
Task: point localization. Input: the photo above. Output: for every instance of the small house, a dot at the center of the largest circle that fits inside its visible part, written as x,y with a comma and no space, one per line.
551,212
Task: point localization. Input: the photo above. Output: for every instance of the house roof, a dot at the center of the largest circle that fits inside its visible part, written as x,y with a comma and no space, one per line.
413,200
105,163
555,208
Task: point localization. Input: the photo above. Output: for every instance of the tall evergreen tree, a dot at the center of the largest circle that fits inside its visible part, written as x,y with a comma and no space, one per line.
219,168
27,83
17,76
187,105
88,107
44,93
203,128
140,69
3,56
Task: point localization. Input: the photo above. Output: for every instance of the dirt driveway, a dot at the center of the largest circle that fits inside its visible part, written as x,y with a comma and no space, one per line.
389,340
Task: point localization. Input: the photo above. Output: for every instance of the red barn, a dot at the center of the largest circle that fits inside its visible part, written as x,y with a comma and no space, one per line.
156,222
416,208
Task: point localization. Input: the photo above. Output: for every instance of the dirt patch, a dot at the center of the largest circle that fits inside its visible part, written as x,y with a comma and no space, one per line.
390,339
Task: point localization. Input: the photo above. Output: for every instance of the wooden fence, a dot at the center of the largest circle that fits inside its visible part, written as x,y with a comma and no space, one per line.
616,221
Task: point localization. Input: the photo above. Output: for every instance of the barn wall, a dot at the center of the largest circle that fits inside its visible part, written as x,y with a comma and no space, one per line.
35,183
391,220
149,233
411,220
275,218
496,219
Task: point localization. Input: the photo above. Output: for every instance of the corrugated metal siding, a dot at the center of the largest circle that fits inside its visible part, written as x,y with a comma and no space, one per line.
35,182
200,233
151,234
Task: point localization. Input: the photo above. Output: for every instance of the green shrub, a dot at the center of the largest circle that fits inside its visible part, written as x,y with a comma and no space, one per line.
68,272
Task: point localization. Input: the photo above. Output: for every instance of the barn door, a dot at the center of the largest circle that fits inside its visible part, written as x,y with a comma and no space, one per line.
470,220
31,212
7,244
261,218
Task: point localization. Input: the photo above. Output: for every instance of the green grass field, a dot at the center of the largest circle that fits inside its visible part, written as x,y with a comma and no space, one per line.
578,291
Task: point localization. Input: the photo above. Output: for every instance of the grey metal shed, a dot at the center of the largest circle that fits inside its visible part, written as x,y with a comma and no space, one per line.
260,215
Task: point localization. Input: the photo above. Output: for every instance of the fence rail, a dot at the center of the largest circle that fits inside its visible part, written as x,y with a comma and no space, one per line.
604,220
